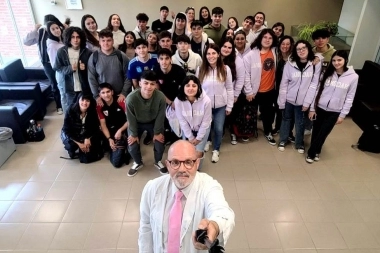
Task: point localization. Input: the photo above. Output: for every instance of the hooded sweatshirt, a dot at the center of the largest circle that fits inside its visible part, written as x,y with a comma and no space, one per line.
195,116
214,33
250,37
172,30
118,38
205,41
109,69
52,47
338,93
220,93
253,68
299,87
193,62
141,35
240,76
247,49
326,55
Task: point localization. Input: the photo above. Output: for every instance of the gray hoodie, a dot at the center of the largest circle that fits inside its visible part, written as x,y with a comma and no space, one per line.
108,69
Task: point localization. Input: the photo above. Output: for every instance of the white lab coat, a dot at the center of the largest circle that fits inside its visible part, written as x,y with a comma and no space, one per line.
206,200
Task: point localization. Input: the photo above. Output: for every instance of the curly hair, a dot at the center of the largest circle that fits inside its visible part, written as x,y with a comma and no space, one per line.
257,42
294,56
69,32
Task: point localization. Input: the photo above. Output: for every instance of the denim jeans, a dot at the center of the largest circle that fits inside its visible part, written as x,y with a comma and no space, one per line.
290,112
201,146
50,73
63,96
218,117
134,149
323,125
307,122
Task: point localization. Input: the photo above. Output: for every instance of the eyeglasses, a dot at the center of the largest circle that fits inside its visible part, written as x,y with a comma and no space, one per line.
175,164
301,49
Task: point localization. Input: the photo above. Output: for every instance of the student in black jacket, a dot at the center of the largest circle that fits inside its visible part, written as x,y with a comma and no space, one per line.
81,127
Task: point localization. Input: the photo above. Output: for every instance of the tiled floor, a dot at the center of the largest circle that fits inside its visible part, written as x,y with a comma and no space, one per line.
282,204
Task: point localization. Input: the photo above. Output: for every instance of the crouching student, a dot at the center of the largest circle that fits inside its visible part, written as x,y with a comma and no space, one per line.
80,129
113,123
193,110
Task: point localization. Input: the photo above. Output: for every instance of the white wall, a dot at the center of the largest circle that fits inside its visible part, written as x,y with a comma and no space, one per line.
367,36
349,17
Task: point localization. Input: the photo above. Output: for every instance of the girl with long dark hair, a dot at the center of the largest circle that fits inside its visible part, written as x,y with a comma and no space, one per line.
116,26
232,23
205,16
297,91
216,80
90,28
278,29
260,69
128,46
333,101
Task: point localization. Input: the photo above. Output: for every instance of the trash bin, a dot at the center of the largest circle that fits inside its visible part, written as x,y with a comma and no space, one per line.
7,145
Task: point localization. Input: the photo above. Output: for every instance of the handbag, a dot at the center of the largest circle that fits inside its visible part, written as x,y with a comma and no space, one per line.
173,121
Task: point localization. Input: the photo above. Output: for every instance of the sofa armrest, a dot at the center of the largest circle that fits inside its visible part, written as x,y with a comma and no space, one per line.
13,71
36,73
9,117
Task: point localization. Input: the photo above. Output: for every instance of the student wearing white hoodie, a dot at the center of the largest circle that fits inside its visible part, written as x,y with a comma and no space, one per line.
333,101
199,39
241,45
259,24
184,57
179,26
117,28
142,30
247,26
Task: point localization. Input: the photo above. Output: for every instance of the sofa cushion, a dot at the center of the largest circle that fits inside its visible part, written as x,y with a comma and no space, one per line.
22,105
13,72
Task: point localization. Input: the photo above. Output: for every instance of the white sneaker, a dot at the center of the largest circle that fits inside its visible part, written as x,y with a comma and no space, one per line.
207,146
59,111
215,156
307,132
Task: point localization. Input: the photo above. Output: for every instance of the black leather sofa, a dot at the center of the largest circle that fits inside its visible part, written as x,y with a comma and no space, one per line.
365,111
18,105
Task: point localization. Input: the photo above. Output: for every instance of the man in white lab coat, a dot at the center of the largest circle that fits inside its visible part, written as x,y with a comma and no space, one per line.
201,206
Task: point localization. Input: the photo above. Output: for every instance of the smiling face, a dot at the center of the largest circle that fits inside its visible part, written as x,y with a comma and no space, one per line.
226,49
204,13
240,41
230,33
84,104
141,50
338,63
285,46
216,19
182,151
115,21
106,44
231,23
90,24
55,30
129,39
147,88
190,15
107,95
180,23
247,24
164,61
278,31
259,20
321,42
267,41
302,51
152,39
191,89
212,56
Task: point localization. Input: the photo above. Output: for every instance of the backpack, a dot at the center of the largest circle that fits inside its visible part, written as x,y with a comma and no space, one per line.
95,56
369,140
246,121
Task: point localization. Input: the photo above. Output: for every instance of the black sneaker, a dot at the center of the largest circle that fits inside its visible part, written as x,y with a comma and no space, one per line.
148,139
270,139
309,159
135,167
281,146
301,149
316,158
163,170
275,132
245,139
292,139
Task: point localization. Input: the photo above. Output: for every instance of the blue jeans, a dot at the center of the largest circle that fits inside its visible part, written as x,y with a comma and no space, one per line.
288,114
218,117
201,146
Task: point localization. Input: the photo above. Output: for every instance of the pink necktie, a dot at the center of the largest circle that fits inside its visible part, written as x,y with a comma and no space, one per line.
175,220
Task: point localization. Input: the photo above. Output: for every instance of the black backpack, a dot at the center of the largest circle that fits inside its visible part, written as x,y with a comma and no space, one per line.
369,140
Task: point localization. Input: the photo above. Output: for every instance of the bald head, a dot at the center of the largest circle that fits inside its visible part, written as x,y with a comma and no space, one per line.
182,147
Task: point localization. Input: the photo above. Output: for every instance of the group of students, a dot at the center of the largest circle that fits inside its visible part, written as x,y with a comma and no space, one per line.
202,75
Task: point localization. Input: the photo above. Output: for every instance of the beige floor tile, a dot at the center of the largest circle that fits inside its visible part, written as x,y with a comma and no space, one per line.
269,172
4,206
262,235
326,236
245,172
117,190
10,190
294,172
136,189
46,173
10,235
219,172
71,173
120,175
357,236
255,211
366,173
303,190
276,190
96,173
343,172
110,211
38,236
34,190
342,211
374,187
334,251
313,211
62,190
267,251
300,251
21,211
99,251
330,190
132,212
368,209
357,190
128,235
127,251
235,206
81,211
51,211
374,227
283,211
229,189
238,239
294,236
70,236
89,190
319,172
103,235
64,251
249,190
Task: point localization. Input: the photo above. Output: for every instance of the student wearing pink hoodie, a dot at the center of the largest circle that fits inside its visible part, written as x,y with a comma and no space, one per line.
333,101
297,92
193,110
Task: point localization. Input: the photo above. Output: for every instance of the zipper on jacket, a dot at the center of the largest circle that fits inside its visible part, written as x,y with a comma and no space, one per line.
328,103
295,101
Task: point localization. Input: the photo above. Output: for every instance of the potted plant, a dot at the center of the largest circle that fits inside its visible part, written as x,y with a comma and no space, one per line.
306,30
